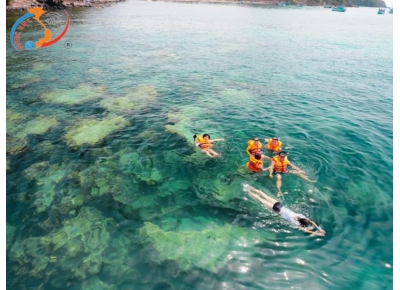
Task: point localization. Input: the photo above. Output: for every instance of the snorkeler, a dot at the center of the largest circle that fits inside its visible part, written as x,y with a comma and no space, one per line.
205,144
298,220
279,165
255,163
273,144
254,146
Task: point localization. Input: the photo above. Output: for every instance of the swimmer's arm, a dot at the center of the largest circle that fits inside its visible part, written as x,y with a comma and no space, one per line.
248,150
268,168
296,168
318,227
216,140
322,234
266,157
271,167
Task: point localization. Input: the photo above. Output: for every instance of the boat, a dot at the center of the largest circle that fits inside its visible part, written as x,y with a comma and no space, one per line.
328,6
381,11
339,9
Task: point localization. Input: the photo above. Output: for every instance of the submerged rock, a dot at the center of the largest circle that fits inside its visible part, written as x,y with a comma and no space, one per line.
133,99
118,104
37,126
187,121
143,93
10,234
75,249
19,125
90,131
35,170
83,93
15,145
141,165
208,249
71,202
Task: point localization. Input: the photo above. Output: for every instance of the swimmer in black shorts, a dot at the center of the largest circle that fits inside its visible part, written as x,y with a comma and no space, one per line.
296,219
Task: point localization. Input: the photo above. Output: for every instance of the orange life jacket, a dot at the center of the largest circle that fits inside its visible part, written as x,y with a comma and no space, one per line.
280,166
254,164
270,147
204,144
253,148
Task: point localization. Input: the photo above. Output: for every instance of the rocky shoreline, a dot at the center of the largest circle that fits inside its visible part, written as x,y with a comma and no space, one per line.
21,5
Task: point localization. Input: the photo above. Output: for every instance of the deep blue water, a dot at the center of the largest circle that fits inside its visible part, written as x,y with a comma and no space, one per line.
108,191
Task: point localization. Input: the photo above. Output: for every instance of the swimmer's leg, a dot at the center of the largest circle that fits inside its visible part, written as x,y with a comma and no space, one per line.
264,202
266,197
279,184
214,153
302,176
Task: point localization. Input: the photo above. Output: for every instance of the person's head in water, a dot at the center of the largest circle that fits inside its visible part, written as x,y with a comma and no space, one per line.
275,141
282,155
304,222
257,155
256,140
206,136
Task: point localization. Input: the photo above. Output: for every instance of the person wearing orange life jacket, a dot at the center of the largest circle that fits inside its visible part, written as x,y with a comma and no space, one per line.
254,146
205,144
255,164
279,165
273,144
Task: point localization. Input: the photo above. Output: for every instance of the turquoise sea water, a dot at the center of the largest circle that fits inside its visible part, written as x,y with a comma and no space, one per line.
106,191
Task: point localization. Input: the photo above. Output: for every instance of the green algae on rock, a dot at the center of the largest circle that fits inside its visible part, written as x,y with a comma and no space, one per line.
83,93
174,185
37,126
69,203
140,164
15,145
143,93
10,233
94,283
207,249
187,121
14,119
28,256
35,170
118,104
133,99
77,247
103,178
90,131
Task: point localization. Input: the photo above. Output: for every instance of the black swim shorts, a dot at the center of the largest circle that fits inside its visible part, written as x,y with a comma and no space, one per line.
284,172
277,206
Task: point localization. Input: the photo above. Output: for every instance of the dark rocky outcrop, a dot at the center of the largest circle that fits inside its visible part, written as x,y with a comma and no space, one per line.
19,5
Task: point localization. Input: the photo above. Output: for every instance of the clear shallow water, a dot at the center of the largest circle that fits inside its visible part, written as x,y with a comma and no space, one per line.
140,209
